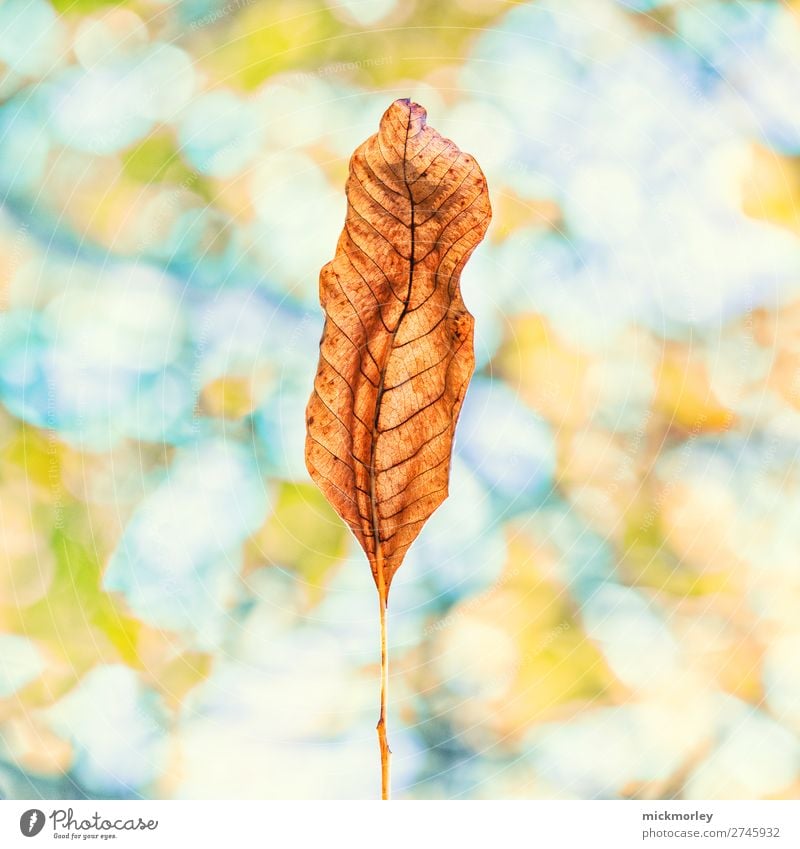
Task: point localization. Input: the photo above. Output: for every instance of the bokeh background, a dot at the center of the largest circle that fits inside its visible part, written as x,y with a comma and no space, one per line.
606,606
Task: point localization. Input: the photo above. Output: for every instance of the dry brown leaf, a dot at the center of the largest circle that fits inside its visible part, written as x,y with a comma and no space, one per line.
397,350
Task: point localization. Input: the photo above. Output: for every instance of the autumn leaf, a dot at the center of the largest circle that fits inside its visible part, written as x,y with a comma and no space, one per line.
397,349
396,352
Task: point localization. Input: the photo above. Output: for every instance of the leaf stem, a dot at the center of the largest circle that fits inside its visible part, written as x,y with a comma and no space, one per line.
386,752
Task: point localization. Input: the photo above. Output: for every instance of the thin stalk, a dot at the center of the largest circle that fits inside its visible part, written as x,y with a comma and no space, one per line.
386,752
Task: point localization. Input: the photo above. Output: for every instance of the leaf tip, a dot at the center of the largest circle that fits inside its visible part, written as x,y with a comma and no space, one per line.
408,113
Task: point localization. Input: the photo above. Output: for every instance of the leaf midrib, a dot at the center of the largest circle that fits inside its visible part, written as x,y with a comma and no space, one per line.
382,377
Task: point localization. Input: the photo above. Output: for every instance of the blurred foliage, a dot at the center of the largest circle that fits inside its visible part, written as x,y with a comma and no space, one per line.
605,607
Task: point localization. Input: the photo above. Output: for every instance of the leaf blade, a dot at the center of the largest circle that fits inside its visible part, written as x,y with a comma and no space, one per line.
396,353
